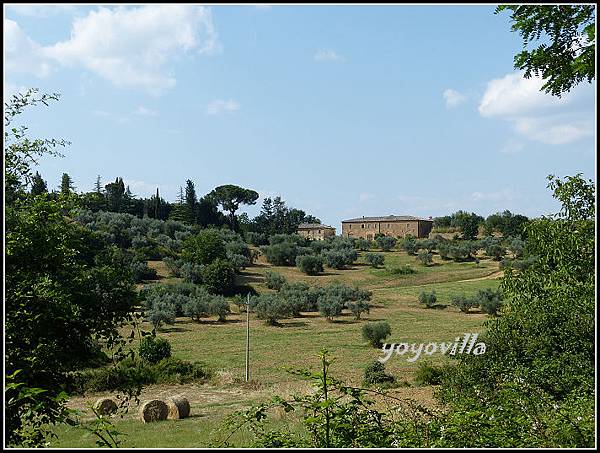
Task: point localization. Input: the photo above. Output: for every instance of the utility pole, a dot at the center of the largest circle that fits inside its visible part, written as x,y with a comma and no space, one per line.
248,338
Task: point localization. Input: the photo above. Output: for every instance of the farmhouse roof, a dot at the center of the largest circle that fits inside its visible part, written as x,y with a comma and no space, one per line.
389,218
312,226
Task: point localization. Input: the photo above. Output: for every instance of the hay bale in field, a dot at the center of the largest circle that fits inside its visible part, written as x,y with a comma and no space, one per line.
153,410
105,406
179,407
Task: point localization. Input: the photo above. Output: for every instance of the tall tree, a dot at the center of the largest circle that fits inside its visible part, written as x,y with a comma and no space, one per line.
115,193
38,185
98,186
66,184
568,54
229,197
191,201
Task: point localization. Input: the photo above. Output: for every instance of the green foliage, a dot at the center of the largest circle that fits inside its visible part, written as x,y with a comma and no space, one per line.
464,303
140,271
270,308
339,258
204,248
274,280
429,299
375,374
330,306
568,53
409,244
507,223
426,258
161,313
375,259
310,264
362,244
539,366
428,374
358,307
401,270
219,277
229,197
489,301
154,349
283,249
376,332
219,306
386,243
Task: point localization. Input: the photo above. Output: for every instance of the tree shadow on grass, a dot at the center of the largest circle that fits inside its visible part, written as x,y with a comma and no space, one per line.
291,324
172,329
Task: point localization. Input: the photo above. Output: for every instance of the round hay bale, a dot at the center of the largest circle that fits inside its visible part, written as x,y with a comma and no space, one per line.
153,411
179,407
105,406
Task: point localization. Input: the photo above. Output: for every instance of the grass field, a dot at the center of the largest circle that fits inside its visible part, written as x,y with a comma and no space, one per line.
296,343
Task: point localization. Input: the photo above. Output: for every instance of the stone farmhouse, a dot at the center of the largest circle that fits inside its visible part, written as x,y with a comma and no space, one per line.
392,225
315,231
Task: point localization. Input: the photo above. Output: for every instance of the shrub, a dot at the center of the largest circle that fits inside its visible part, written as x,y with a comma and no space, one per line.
386,243
192,273
219,306
281,253
274,280
428,299
375,374
358,307
154,349
374,259
161,313
239,262
425,258
339,258
401,270
409,245
376,332
310,264
173,265
256,239
197,306
330,306
296,296
489,301
204,247
427,374
463,303
219,276
140,271
362,244
270,308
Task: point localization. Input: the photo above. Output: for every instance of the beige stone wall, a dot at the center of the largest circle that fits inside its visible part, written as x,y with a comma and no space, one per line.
368,230
316,234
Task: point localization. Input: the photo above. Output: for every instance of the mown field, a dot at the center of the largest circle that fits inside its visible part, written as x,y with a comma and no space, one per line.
296,343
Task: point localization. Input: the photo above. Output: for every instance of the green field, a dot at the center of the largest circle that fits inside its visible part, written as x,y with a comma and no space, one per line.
296,342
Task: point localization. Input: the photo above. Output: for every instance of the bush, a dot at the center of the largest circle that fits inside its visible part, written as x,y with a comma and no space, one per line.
281,253
339,258
428,299
296,296
425,258
310,264
427,374
401,270
192,273
140,271
409,245
358,307
204,247
239,262
330,306
375,374
154,349
219,306
197,306
219,276
274,280
463,303
173,265
362,244
374,259
386,243
270,308
161,313
376,332
489,301
256,239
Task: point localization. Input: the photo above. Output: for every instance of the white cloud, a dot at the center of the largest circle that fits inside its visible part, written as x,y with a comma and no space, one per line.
219,106
453,98
327,55
41,10
499,196
129,46
21,53
536,115
143,111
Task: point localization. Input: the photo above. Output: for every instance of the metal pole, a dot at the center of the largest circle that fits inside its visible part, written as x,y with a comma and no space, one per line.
248,338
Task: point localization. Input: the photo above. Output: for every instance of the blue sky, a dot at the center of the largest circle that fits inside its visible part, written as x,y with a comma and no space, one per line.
343,111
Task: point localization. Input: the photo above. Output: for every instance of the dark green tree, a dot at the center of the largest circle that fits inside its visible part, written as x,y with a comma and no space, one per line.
38,185
66,184
567,54
229,197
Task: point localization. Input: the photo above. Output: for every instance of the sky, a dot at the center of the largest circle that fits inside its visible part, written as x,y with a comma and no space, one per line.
343,111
